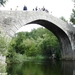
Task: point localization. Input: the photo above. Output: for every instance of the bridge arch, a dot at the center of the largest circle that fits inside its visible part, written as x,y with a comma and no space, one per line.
11,21
59,33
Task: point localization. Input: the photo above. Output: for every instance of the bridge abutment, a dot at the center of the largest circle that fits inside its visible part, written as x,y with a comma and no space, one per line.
69,47
73,44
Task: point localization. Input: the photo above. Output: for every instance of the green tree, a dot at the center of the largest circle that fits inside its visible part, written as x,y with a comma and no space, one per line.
62,18
38,43
19,46
30,47
72,17
2,2
4,42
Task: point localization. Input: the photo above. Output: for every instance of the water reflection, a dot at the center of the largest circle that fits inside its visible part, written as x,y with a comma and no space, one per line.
68,67
35,68
42,68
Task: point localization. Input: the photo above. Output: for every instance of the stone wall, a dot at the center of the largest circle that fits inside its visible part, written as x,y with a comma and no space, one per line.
11,21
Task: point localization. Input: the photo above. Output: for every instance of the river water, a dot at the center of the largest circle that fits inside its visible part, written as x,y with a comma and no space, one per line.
45,67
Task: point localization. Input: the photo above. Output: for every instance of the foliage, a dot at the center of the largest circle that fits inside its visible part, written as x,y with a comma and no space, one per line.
3,44
72,18
38,43
62,18
2,2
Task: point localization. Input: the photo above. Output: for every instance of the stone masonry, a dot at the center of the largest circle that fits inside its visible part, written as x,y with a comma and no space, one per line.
11,21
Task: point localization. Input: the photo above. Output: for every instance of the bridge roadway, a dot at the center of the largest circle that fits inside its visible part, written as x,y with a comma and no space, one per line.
11,21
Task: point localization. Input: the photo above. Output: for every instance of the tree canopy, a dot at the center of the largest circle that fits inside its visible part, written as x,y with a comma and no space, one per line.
72,16
2,2
38,42
62,18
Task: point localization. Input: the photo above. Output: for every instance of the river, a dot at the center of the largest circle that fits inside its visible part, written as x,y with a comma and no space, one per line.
44,67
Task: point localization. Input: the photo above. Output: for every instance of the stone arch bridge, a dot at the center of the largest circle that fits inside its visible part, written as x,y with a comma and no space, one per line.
11,21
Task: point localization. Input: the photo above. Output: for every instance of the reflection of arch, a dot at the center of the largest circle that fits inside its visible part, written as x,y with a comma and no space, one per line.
59,33
11,21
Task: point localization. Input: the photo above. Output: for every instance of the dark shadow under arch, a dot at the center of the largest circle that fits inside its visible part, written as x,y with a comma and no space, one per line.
60,34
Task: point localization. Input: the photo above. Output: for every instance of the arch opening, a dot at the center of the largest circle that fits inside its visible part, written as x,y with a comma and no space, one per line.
49,44
60,34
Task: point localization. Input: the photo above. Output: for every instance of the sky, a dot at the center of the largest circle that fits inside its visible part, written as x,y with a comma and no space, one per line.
57,7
